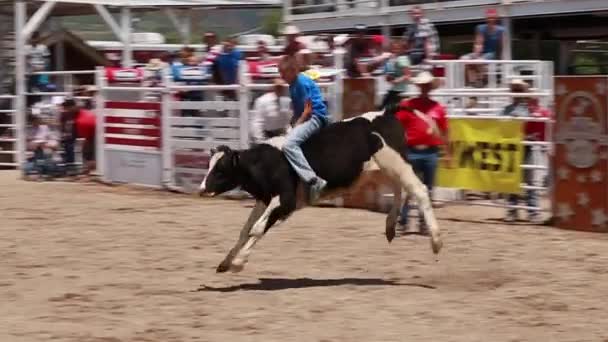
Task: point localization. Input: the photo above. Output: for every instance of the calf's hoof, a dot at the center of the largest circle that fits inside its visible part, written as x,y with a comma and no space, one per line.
436,244
390,234
223,267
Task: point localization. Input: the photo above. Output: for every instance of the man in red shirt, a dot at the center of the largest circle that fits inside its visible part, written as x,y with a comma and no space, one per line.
85,122
426,129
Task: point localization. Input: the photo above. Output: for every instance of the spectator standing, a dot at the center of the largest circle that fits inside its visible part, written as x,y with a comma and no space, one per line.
535,131
421,37
489,43
397,74
262,51
272,113
358,48
191,95
228,66
426,128
212,48
67,130
292,44
212,51
37,57
85,127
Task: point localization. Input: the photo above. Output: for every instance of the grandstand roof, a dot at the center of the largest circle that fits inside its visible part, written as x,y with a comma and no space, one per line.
162,3
83,7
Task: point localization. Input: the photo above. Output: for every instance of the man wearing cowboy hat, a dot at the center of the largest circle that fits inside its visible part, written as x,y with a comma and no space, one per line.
292,44
426,129
520,107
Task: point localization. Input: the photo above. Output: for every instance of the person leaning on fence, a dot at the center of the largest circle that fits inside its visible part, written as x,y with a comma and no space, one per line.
358,47
397,74
271,113
228,66
520,107
426,128
421,37
86,122
67,131
489,42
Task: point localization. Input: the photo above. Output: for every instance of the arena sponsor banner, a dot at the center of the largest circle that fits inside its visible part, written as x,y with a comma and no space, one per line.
486,156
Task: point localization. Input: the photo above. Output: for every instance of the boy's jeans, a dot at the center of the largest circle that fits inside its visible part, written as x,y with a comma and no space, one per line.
424,163
293,151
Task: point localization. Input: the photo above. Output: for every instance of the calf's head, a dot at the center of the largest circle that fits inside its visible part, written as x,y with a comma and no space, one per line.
223,172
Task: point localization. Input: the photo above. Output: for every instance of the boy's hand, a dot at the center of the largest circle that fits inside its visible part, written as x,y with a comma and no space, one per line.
307,109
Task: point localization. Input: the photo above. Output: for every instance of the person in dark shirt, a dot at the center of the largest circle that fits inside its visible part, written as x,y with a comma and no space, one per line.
67,130
228,66
358,48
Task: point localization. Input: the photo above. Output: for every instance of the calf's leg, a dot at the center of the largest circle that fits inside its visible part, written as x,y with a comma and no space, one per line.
391,219
256,213
279,209
391,162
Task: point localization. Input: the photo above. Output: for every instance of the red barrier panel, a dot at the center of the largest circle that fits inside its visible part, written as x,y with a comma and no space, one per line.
134,142
133,136
133,105
148,132
133,121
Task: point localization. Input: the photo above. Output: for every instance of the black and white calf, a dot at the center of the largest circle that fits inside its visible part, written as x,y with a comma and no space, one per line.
339,153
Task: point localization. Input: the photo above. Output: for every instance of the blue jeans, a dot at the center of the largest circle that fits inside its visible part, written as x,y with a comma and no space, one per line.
41,164
293,151
424,163
531,196
69,155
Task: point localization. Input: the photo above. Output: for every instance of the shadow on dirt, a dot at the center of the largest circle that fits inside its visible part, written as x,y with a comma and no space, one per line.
275,284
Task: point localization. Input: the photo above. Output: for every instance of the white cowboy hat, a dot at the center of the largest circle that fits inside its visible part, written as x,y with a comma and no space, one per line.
426,77
518,83
291,29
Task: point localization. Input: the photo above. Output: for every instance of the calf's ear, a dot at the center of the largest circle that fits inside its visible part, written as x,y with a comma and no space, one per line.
212,151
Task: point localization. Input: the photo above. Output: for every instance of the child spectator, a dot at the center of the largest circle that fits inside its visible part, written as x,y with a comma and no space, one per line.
41,150
397,74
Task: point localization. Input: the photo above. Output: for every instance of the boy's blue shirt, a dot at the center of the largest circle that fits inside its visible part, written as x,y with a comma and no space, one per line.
303,89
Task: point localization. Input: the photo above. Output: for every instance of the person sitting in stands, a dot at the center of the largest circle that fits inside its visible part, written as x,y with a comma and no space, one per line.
489,42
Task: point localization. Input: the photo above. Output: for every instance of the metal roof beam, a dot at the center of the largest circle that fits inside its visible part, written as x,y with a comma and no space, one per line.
37,19
110,21
182,25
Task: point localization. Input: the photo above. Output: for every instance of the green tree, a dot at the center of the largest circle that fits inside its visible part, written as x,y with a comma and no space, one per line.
271,22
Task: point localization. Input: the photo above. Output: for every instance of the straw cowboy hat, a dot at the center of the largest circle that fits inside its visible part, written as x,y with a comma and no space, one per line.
426,77
519,85
291,29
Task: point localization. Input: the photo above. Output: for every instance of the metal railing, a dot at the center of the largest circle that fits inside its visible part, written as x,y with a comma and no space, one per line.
8,132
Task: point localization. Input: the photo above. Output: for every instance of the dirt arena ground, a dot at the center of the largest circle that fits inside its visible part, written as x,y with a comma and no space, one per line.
89,263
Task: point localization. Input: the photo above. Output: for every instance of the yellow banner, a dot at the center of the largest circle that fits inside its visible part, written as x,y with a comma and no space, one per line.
486,156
